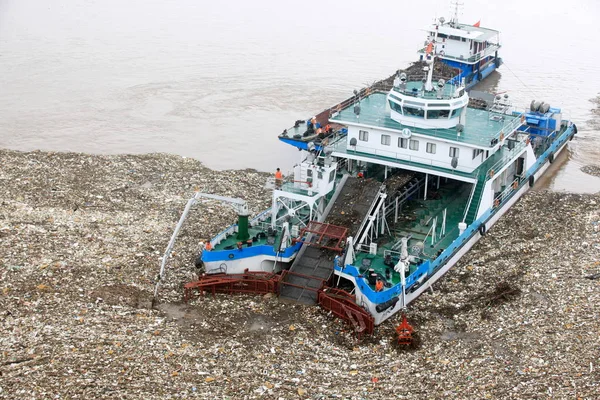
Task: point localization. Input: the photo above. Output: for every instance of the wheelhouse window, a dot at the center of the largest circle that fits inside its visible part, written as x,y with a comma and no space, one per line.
414,112
414,144
403,143
476,152
363,135
454,152
396,107
436,114
386,140
431,148
456,112
331,176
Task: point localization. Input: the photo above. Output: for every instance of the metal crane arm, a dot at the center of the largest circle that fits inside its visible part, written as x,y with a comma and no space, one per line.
240,206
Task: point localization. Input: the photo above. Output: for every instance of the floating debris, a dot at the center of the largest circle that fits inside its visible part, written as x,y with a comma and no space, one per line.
90,231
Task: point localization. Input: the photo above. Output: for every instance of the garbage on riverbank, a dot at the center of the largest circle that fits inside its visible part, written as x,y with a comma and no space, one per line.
82,238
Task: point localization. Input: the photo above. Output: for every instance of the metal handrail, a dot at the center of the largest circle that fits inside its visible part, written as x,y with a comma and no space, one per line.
475,57
469,201
502,161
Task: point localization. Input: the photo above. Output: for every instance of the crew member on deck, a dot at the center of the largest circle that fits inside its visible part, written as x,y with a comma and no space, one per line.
278,178
379,285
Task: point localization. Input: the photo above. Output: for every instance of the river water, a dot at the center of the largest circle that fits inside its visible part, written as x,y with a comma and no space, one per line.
218,81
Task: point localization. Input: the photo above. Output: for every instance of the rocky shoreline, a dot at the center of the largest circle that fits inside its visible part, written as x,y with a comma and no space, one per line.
82,236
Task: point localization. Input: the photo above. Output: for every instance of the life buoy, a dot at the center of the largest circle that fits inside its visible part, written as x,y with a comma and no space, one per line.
501,135
492,173
496,203
531,180
551,158
515,184
522,118
482,229
527,141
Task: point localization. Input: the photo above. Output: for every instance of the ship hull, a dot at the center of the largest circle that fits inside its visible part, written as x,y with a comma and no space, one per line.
371,301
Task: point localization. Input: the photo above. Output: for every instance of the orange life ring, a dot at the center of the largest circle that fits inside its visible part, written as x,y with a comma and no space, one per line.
515,184
522,118
496,203
527,141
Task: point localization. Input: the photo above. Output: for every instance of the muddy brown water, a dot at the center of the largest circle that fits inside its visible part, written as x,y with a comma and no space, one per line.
207,80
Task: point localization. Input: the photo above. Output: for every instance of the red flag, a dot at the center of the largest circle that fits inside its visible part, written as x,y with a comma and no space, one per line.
477,23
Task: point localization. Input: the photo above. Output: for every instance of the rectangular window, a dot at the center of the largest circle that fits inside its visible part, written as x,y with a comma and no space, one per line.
414,145
386,140
453,152
431,148
476,152
363,135
436,114
402,143
414,112
331,176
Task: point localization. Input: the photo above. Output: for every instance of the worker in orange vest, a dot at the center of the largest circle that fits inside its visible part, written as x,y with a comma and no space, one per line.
379,285
278,178
208,246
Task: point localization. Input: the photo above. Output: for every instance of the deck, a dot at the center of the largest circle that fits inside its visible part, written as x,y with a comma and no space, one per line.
479,131
416,220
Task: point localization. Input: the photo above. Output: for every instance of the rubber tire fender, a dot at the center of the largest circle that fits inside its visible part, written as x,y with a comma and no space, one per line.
482,229
574,129
551,158
531,180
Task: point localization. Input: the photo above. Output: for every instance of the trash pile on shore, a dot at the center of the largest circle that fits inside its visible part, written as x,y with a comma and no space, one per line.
83,235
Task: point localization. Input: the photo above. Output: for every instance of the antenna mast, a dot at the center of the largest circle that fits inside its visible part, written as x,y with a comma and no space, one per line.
457,5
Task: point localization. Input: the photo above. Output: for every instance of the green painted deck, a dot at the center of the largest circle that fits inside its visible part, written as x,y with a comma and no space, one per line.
479,129
416,219
230,242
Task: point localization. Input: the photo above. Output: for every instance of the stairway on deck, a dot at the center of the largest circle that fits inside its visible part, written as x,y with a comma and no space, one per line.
314,266
308,273
474,205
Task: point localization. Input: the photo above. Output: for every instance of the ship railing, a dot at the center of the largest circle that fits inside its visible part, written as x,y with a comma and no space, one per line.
289,185
409,158
420,77
470,200
491,171
488,51
380,86
503,195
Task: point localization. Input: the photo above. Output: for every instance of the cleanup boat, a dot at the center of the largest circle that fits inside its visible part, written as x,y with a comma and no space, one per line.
393,187
471,49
